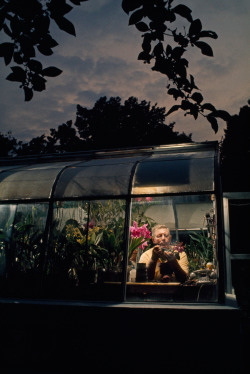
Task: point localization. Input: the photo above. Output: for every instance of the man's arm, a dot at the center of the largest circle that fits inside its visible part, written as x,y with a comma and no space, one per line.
151,261
180,273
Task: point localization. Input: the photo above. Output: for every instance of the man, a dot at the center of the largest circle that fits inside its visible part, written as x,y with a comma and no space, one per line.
161,262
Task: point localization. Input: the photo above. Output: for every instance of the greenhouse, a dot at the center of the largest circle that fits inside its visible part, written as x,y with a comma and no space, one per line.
74,226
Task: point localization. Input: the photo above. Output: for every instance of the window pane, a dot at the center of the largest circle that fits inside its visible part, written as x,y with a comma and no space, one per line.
108,177
7,213
173,174
29,182
239,213
86,252
190,273
25,254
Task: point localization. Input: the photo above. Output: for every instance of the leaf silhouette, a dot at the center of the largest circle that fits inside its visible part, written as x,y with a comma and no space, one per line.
130,5
214,123
6,51
197,97
51,71
65,25
142,26
173,109
28,93
208,34
136,17
183,11
205,48
208,106
195,27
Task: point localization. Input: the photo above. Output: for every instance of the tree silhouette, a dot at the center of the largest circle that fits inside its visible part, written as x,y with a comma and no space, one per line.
27,24
113,124
109,124
8,144
155,19
235,152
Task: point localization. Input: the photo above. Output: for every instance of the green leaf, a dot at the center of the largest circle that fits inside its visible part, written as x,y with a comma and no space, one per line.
142,26
112,241
136,17
197,97
205,48
51,71
183,11
65,25
213,122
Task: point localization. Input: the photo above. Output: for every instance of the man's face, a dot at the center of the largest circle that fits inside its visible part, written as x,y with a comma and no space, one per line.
162,237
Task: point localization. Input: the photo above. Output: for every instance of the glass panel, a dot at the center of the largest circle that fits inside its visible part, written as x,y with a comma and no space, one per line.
86,253
184,174
108,177
183,265
25,253
30,182
7,213
239,213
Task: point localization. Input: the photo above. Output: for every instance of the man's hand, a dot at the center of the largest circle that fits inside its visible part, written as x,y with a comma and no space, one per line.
170,256
156,253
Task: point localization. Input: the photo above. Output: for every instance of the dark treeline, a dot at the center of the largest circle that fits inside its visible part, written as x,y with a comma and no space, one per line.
109,124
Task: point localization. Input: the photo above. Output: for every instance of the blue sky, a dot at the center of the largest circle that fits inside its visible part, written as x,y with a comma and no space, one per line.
102,61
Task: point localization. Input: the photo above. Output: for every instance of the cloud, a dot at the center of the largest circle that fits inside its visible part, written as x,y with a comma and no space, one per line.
102,61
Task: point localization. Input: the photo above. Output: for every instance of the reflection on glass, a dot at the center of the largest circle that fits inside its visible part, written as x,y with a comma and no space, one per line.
7,213
23,236
190,226
86,248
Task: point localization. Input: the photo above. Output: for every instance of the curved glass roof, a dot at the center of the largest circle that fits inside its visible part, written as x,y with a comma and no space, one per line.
147,171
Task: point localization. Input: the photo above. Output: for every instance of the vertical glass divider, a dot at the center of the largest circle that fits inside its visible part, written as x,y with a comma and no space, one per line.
126,247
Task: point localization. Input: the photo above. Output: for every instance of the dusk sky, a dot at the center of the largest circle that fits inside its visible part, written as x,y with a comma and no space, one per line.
102,61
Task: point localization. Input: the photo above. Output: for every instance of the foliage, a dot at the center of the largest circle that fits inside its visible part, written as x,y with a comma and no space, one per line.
97,244
235,152
27,23
199,250
108,124
113,124
8,144
138,236
155,20
27,240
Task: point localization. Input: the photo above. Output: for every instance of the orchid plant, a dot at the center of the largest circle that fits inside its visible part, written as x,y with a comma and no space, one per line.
138,236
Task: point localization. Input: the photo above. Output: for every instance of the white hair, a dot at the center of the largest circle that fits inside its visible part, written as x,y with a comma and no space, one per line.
158,227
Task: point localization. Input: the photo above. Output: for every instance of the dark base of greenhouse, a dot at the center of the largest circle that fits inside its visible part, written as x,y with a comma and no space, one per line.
55,338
